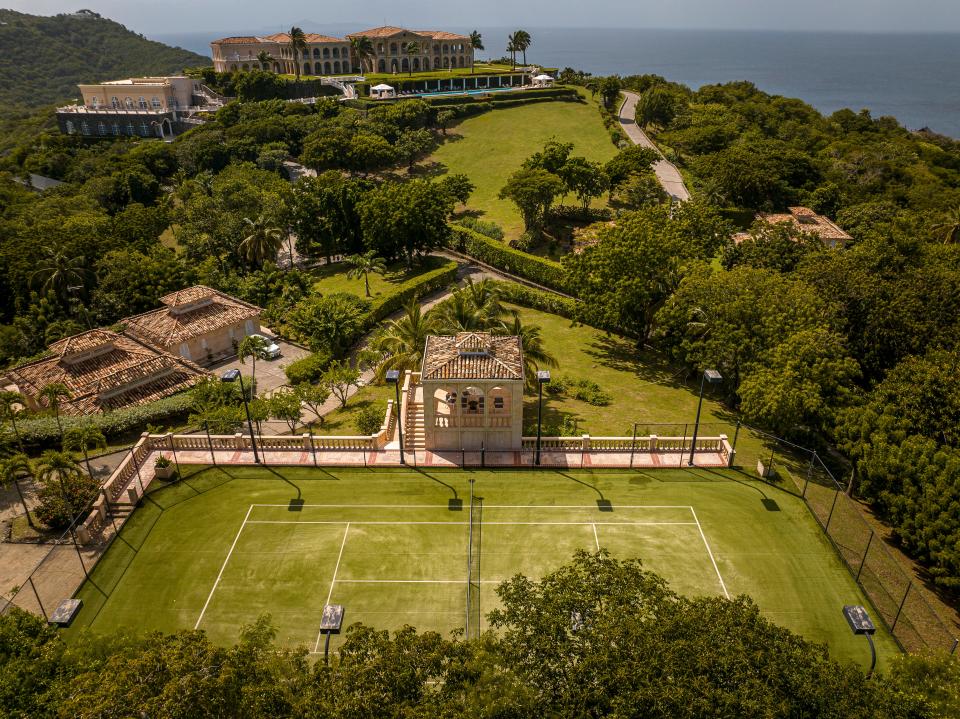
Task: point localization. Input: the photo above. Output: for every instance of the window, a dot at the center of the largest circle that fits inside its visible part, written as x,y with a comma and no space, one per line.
128,101
116,128
155,103
115,103
84,128
142,103
498,403
70,128
326,53
316,52
393,48
144,129
130,129
101,128
94,102
336,52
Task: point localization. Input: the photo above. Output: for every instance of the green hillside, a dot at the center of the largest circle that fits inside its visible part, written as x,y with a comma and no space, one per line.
43,58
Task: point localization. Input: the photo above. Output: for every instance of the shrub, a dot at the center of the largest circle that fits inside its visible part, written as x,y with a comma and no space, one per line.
161,462
537,299
370,419
578,214
490,229
536,269
56,510
308,369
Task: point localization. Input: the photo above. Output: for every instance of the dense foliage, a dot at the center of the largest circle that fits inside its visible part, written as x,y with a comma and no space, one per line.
598,638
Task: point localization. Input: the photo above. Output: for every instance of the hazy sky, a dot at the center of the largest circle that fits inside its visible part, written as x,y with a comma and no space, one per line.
227,16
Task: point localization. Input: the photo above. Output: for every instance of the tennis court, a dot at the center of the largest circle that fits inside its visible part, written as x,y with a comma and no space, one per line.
397,547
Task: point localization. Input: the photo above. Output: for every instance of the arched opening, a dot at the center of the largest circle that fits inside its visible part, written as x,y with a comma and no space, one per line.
499,401
445,407
326,53
115,103
317,68
436,63
461,61
405,65
306,68
129,103
436,48
326,68
393,48
316,53
246,67
472,407
446,49
70,128
336,67
394,66
276,67
336,52
381,65
416,64
142,103
446,63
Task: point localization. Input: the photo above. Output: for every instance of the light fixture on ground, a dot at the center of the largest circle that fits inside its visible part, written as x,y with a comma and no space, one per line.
234,375
543,377
860,623
713,377
393,377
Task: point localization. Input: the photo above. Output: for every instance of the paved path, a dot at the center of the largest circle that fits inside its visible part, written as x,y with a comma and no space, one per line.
668,174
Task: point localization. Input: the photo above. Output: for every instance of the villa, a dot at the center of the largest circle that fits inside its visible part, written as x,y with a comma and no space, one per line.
806,220
103,371
325,55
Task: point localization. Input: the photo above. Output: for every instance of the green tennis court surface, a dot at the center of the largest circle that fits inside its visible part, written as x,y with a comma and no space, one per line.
226,545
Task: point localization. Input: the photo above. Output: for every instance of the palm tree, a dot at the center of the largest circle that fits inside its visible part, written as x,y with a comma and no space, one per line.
458,314
400,344
298,43
12,470
535,354
264,58
9,411
59,466
512,49
53,393
83,438
57,272
411,49
362,49
949,228
252,346
476,42
363,265
485,299
522,41
262,242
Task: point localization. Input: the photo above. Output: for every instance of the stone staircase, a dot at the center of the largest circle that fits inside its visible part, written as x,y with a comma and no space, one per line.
414,431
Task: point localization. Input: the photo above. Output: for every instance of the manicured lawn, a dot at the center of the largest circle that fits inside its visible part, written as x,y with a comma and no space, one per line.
344,420
333,278
490,147
226,545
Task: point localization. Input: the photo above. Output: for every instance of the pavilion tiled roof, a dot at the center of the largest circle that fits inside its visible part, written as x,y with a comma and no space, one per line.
311,37
237,40
125,374
473,355
170,326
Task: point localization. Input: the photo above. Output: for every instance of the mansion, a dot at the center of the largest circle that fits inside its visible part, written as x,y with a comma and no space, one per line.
325,55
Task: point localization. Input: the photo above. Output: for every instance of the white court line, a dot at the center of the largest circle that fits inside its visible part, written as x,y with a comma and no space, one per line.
214,588
710,552
595,537
486,506
333,581
487,524
416,581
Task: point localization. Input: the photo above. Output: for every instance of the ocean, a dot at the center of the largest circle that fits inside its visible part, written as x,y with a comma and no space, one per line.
913,77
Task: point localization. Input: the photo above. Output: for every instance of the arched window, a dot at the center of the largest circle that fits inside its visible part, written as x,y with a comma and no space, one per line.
306,68
318,68
316,52
380,48
144,129
233,67
461,61
276,67
471,401
326,53
405,65
336,67
416,64
436,63
446,62
436,48
142,103
326,68
446,49
381,65
393,48
70,128
94,102
336,52
155,102
115,102
116,128
130,129
128,101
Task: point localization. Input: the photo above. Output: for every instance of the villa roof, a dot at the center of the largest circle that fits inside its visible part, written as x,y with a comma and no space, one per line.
117,372
472,355
310,37
442,35
384,31
807,220
189,313
237,40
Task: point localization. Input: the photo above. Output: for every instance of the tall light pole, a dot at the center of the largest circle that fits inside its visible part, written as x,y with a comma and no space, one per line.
543,377
230,376
713,377
860,623
393,377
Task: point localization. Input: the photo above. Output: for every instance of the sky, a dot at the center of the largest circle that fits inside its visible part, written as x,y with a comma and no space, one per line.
228,16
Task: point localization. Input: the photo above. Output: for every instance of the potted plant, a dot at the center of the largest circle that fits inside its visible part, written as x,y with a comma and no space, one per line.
162,467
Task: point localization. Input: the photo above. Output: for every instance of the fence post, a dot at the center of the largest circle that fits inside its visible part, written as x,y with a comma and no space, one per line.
483,455
633,444
826,527
903,601
37,595
213,457
736,434
73,536
173,450
865,553
954,647
313,451
809,474
683,445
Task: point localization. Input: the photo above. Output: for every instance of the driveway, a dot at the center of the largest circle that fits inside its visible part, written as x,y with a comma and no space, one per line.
270,373
669,176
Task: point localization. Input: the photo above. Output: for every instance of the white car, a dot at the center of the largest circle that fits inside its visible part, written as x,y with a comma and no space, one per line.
272,350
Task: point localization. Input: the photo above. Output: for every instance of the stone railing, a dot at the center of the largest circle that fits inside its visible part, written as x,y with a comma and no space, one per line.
647,444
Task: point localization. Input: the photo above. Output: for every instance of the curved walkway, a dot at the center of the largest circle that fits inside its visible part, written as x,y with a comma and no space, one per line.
668,174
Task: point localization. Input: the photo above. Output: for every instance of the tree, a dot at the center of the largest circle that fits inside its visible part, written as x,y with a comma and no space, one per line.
264,58
64,489
262,242
53,393
313,397
630,161
476,42
444,118
535,354
13,470
779,247
285,405
254,347
58,272
457,186
325,215
458,314
405,219
655,106
949,227
340,377
609,89
585,179
330,322
297,45
521,41
400,344
512,49
366,152
83,437
643,190
411,50
362,49
414,144
552,157
363,265
533,192
369,420
12,405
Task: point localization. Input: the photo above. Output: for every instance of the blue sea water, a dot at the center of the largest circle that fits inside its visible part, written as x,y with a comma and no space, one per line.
913,77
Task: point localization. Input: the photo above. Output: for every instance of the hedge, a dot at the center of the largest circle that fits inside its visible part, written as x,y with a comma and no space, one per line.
412,289
496,254
308,369
43,433
500,96
549,302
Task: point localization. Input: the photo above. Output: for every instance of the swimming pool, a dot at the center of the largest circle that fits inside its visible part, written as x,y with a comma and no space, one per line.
482,91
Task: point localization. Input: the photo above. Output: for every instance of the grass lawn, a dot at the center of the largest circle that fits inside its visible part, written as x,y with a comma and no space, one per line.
226,545
344,420
490,147
333,278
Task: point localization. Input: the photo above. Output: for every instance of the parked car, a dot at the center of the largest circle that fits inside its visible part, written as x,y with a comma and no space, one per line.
272,350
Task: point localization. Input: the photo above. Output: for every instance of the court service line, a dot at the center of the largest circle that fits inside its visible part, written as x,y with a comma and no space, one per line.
706,544
222,568
486,506
333,581
463,524
595,537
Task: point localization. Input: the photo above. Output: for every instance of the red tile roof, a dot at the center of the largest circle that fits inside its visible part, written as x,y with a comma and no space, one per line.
385,31
473,355
442,35
238,40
